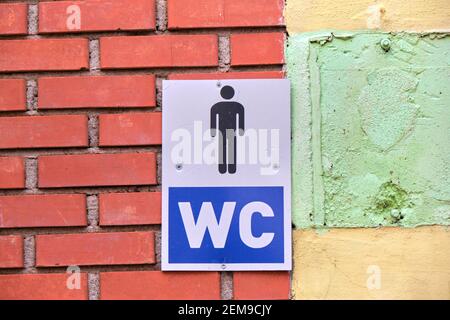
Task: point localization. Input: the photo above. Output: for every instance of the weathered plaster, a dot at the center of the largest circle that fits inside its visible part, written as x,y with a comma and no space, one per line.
371,129
375,263
389,15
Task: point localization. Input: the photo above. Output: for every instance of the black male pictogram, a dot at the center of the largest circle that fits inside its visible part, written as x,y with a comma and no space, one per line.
229,117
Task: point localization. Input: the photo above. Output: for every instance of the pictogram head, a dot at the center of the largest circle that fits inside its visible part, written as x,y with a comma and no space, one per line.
227,92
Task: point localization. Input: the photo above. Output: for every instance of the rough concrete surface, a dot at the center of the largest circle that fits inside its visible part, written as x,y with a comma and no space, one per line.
94,285
94,55
33,19
226,280
29,253
32,95
92,207
31,173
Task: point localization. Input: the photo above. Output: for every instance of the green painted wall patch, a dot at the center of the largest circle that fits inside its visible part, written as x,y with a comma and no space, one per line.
371,129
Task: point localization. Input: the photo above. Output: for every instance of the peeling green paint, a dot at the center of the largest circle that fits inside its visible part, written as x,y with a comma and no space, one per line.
371,129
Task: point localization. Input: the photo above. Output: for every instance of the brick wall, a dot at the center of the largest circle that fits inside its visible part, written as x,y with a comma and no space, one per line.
80,139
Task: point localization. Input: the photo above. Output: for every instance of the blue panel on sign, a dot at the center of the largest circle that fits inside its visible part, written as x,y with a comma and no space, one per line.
226,225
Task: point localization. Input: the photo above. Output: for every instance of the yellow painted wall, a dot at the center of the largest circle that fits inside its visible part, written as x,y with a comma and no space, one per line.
396,263
389,15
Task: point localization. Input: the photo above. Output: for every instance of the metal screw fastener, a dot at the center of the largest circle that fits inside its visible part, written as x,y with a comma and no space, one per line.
395,214
385,44
179,166
223,266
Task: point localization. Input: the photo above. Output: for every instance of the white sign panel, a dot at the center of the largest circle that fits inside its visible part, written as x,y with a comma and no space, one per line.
226,175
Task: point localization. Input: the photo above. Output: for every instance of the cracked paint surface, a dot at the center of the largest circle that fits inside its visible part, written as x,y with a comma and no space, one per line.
371,129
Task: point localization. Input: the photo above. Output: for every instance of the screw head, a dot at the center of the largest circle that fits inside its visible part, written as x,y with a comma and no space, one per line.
179,166
385,44
395,213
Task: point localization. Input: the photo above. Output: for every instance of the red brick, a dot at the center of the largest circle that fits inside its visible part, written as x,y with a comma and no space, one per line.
11,251
110,91
56,210
13,18
157,285
257,48
41,287
227,75
159,51
130,129
261,285
12,173
12,95
138,208
219,13
97,170
97,15
95,249
43,131
44,54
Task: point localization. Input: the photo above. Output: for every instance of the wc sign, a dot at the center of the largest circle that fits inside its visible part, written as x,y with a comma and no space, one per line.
226,175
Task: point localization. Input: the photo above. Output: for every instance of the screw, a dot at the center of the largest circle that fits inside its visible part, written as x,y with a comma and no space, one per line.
395,214
179,166
385,44
219,84
224,266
